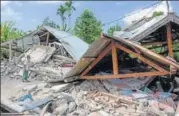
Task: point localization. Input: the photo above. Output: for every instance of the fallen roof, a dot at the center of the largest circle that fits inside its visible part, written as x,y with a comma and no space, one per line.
102,43
144,27
75,46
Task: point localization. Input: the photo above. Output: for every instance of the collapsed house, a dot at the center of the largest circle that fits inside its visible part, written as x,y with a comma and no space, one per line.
52,53
66,43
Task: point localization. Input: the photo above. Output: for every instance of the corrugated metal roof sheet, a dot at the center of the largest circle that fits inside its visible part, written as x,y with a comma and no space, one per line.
142,30
74,45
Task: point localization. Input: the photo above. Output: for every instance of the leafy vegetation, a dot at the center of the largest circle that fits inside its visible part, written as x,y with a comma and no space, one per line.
87,27
70,8
113,28
8,31
63,11
48,22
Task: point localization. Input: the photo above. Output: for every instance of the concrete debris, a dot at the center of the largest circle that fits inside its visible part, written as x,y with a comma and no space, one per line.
93,97
177,110
48,94
71,107
61,110
43,67
44,53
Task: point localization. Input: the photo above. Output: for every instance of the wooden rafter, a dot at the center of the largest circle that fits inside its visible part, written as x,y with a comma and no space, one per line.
134,75
141,58
101,55
44,34
113,47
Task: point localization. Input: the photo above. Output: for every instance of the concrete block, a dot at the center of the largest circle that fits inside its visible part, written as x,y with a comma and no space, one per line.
71,107
61,110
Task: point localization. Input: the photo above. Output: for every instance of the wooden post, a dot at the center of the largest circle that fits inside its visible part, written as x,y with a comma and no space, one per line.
169,39
47,38
10,51
114,60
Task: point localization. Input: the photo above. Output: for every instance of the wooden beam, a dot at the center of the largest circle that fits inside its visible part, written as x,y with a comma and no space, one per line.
100,56
157,43
114,60
141,58
169,39
132,75
47,39
153,43
43,34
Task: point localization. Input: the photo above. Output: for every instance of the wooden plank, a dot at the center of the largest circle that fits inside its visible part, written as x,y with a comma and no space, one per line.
132,75
100,56
141,58
169,39
114,60
47,38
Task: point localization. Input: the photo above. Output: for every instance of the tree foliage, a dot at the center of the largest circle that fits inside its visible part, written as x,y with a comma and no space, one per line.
62,11
87,27
48,22
70,8
113,28
8,31
65,12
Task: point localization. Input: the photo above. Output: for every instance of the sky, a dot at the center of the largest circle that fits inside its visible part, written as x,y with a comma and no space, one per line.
29,14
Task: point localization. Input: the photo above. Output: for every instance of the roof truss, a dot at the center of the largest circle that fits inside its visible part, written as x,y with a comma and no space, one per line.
113,46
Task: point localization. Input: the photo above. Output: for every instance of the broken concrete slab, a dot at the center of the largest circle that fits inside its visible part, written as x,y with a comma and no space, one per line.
44,53
71,107
61,110
60,88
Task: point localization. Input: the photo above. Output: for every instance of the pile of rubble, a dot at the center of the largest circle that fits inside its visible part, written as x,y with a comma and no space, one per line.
139,96
48,65
92,98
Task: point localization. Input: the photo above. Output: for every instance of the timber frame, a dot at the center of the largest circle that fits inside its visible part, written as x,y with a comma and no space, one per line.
113,46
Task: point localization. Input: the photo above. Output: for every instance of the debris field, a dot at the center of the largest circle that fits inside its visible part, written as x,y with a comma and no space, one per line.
117,75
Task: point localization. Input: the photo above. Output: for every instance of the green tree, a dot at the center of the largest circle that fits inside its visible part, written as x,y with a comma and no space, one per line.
50,23
113,28
9,32
87,27
157,13
62,11
70,8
